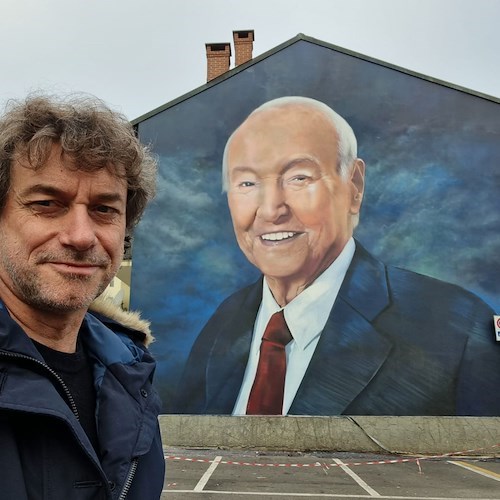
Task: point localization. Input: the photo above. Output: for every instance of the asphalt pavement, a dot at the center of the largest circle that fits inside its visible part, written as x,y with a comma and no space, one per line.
236,474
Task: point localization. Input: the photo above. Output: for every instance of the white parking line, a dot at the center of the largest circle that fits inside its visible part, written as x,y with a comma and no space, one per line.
204,479
356,478
477,470
237,494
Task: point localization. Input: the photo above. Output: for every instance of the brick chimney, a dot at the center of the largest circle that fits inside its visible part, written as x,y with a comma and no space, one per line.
218,56
243,46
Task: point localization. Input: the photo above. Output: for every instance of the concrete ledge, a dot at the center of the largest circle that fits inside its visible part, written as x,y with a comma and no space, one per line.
411,435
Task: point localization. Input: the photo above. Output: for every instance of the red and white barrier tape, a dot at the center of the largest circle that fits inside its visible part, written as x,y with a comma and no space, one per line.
350,464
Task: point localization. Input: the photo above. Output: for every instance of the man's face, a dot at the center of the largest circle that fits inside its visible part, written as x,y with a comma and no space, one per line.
61,234
291,210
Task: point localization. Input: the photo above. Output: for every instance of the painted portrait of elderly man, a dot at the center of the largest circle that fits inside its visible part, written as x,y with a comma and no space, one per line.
355,199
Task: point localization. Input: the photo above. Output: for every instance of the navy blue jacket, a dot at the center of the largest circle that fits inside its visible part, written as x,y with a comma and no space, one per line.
44,452
395,343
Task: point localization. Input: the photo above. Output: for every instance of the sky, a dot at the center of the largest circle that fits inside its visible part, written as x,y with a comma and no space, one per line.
137,56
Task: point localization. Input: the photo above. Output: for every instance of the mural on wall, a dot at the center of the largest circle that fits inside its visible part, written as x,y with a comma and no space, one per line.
395,342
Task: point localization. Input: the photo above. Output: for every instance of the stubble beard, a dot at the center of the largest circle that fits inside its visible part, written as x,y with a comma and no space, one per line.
72,293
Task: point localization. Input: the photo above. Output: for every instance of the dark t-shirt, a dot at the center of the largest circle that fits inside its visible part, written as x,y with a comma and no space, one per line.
76,371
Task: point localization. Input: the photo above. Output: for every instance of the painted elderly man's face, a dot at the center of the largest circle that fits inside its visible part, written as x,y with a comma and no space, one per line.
291,210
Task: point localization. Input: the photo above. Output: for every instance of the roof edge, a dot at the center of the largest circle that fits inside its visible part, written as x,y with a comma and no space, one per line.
219,79
286,44
401,69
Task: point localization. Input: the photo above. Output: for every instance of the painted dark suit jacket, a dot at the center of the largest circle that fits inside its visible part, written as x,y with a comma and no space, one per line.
395,343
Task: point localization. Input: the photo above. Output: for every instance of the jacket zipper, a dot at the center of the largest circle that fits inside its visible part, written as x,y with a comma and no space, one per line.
53,374
130,477
74,409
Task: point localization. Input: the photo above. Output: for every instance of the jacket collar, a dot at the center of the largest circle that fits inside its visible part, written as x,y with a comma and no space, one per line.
13,338
109,312
365,285
104,344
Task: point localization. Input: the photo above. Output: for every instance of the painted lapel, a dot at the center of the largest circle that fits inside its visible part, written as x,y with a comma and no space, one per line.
350,351
229,354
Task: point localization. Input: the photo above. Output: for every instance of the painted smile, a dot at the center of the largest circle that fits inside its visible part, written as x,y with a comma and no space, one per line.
279,236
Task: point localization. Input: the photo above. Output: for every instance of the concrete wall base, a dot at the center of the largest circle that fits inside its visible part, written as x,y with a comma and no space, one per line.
401,435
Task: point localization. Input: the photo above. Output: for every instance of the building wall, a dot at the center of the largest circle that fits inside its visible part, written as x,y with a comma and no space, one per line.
431,203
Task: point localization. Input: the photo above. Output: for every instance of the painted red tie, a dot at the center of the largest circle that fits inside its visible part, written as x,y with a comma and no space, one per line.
266,396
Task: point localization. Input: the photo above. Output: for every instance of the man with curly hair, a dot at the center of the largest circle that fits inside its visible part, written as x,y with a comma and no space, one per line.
78,414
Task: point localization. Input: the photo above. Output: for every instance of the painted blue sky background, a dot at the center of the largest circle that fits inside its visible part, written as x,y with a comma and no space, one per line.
431,202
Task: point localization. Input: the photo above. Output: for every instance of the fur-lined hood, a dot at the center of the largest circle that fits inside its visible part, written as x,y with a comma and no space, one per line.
130,319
